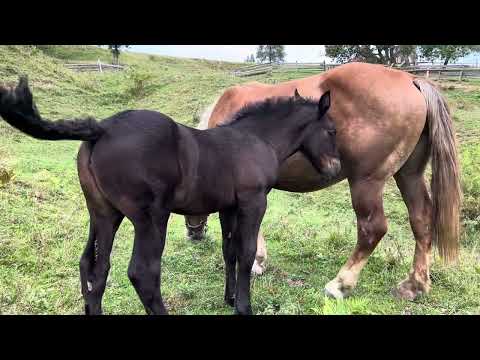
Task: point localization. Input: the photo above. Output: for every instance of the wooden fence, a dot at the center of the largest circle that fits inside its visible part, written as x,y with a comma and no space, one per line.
445,72
98,66
459,71
257,69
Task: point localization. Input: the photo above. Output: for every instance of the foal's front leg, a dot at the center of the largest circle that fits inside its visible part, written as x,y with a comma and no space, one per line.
249,218
228,220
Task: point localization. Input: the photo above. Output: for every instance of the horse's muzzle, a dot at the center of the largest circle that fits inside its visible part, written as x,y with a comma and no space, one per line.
196,232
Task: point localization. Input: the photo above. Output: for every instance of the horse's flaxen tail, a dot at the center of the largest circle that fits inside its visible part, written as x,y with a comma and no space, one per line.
445,185
18,109
205,116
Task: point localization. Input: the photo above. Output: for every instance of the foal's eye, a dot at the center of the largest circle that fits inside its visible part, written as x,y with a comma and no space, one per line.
332,132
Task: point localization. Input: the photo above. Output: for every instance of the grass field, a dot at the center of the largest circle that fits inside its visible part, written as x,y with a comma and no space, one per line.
44,222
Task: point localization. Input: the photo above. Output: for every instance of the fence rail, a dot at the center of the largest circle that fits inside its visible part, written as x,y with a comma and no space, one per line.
445,72
461,71
98,66
258,69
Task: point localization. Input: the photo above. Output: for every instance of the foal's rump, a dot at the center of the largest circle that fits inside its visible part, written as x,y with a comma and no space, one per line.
136,159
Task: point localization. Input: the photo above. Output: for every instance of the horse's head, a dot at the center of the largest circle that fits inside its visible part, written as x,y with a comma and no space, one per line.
320,145
196,227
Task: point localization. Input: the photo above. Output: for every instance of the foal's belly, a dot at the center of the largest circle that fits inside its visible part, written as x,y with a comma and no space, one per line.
201,199
297,174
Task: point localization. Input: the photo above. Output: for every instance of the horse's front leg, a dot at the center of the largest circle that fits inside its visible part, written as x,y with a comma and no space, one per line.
260,263
196,227
249,218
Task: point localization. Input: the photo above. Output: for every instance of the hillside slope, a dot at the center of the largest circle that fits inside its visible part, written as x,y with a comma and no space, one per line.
44,221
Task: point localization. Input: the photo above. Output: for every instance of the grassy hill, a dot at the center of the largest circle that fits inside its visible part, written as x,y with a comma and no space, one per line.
44,222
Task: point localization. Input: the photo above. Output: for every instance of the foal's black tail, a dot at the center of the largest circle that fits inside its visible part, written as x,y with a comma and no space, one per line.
18,109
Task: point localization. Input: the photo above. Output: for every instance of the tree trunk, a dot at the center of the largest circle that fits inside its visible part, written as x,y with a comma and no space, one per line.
445,63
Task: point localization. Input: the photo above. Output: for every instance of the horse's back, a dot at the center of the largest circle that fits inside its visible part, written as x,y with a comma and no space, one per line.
379,115
378,112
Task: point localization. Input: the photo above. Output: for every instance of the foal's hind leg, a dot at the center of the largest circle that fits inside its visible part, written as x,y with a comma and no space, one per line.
144,270
371,227
414,191
95,261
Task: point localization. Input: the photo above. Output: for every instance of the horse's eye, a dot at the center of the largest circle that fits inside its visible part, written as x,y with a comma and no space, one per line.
332,132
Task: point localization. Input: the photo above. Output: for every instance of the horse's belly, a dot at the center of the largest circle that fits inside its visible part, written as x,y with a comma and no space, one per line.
297,174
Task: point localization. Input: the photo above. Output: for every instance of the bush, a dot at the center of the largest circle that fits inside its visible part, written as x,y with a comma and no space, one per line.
138,81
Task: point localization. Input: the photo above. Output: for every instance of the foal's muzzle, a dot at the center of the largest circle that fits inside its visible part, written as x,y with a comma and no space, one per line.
333,167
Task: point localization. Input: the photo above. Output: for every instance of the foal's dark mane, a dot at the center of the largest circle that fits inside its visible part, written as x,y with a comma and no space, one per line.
269,106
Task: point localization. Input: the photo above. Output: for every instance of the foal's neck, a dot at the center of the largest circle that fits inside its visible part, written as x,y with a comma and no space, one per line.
284,134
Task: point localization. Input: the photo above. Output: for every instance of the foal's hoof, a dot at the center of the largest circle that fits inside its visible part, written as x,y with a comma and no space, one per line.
336,290
258,269
410,289
246,311
230,301
93,310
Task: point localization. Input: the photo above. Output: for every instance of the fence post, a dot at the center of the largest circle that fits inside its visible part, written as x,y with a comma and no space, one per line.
324,66
461,75
100,65
428,73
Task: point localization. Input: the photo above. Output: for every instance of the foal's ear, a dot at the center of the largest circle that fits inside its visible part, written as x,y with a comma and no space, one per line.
297,95
324,104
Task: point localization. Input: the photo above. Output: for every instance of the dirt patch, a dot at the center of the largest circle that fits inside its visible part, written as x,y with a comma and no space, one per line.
295,283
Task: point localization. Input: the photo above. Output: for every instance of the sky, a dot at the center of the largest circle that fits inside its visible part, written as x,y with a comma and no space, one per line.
238,53
234,53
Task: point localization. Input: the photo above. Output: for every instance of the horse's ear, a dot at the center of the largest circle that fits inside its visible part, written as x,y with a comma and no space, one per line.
324,104
297,95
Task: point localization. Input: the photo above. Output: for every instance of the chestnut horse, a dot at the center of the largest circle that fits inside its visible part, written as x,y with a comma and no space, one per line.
389,123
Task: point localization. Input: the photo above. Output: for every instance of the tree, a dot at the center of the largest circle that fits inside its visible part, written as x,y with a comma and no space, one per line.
115,49
272,53
250,59
377,54
446,53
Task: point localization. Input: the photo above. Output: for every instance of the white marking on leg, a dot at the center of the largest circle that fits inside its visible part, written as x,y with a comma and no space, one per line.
346,280
257,269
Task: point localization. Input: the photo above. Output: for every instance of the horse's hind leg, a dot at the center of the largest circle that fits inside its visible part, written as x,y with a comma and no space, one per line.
95,261
411,182
144,270
371,227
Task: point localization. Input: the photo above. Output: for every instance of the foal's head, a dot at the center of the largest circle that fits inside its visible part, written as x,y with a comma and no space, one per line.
319,144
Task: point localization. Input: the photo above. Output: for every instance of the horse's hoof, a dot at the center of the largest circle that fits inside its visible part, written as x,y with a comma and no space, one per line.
410,290
257,269
195,238
334,289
